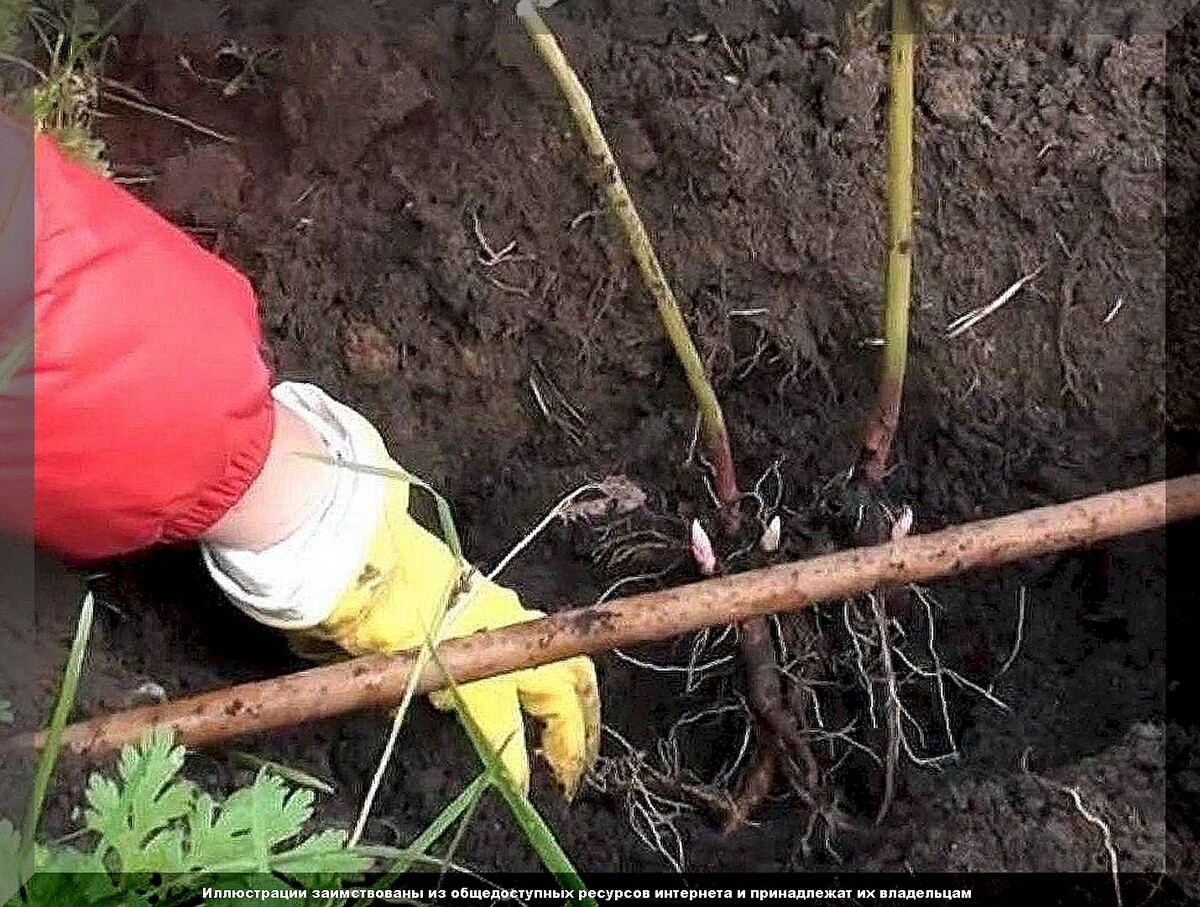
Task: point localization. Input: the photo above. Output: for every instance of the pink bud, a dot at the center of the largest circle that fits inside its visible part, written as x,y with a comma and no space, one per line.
903,524
769,540
702,550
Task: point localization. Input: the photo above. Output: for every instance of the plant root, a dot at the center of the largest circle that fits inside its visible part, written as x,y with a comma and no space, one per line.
783,742
753,788
1091,816
892,707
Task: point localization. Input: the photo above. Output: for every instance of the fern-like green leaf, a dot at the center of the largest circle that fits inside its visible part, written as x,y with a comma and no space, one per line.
136,819
257,819
158,837
251,832
67,876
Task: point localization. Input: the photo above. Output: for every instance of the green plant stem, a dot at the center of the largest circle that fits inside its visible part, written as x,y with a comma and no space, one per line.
14,359
621,206
881,429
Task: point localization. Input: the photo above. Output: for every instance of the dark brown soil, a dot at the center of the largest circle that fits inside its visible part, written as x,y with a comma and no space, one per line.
373,136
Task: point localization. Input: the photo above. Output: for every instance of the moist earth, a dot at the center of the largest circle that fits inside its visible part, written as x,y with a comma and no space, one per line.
404,188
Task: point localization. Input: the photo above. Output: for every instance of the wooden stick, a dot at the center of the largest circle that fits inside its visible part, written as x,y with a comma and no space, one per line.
379,681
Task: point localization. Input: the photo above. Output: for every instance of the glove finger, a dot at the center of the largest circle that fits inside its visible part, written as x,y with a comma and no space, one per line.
313,647
494,707
489,607
564,697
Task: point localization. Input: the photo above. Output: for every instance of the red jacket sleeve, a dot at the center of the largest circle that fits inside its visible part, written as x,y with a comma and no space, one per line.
152,401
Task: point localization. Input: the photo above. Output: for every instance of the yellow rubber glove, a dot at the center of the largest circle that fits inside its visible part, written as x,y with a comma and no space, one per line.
395,603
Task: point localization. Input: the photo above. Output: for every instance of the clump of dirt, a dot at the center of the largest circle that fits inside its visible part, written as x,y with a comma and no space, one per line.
409,199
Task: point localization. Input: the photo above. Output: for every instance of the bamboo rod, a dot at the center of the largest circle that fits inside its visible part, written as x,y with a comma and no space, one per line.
379,681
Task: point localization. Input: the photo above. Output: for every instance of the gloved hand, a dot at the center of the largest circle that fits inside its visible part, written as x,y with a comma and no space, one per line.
360,569
362,574
407,582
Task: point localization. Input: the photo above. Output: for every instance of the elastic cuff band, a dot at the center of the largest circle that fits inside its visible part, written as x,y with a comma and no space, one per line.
240,472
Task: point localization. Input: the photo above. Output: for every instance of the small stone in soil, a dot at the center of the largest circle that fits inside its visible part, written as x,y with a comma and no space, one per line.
370,355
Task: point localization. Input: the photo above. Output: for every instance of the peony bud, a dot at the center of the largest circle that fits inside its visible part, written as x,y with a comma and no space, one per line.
702,550
769,541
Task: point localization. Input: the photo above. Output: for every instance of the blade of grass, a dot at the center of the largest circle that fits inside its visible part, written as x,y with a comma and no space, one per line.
14,193
458,807
444,512
381,854
65,101
12,361
532,825
460,830
295,775
389,747
58,720
450,536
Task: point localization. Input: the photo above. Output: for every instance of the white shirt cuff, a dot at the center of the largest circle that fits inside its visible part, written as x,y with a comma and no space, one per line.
296,583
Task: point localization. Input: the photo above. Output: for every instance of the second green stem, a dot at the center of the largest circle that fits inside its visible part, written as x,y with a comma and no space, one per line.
881,429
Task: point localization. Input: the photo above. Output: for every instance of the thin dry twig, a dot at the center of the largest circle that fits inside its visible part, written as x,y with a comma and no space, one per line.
1112,313
489,257
128,96
964,323
554,512
550,400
